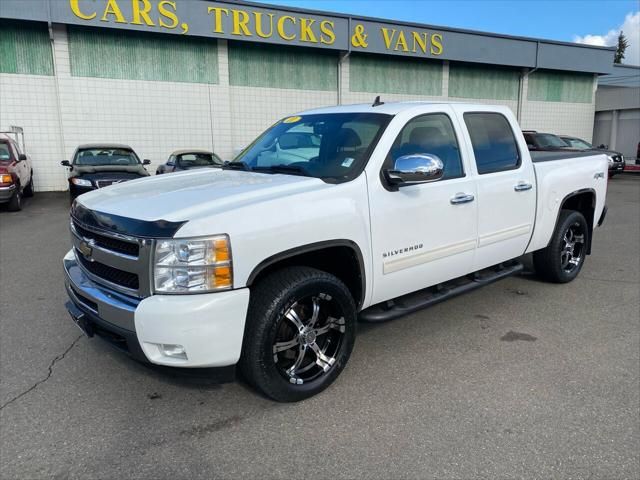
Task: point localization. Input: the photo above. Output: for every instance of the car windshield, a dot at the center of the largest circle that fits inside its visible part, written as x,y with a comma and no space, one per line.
5,156
198,159
329,146
549,140
577,143
105,156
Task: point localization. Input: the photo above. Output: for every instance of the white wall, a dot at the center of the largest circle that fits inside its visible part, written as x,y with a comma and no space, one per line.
156,118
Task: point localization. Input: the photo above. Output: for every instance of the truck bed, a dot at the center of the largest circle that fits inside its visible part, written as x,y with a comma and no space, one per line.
550,156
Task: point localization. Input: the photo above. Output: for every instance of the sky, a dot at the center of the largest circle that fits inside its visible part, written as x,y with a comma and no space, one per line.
596,22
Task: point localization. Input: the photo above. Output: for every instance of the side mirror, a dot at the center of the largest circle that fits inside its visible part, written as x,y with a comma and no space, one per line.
146,162
65,163
414,169
171,164
602,146
21,157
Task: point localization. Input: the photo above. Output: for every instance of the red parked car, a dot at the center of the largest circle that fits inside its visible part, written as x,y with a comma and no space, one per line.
16,171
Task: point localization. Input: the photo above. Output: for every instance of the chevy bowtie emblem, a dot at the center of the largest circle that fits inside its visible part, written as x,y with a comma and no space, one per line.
86,248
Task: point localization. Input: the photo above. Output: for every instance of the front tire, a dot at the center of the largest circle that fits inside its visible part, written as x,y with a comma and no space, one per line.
15,204
564,257
28,190
300,332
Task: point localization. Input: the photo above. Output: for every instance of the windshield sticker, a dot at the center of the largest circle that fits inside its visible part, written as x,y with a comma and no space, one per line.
292,119
347,162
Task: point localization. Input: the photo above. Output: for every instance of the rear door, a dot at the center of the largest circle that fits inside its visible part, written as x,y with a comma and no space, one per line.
506,187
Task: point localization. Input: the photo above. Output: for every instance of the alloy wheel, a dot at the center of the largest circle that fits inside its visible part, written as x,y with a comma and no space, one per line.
573,247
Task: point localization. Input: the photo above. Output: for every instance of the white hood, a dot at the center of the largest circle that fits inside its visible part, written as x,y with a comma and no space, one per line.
191,194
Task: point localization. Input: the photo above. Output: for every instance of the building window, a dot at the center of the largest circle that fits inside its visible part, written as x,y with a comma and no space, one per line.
25,48
549,86
472,81
384,74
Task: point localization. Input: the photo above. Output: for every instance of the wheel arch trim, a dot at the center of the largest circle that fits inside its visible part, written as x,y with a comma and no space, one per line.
314,247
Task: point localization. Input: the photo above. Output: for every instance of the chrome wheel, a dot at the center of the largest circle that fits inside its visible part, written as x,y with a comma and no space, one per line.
572,248
308,338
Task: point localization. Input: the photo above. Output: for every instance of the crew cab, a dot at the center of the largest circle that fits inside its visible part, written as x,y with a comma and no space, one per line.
267,263
99,165
16,169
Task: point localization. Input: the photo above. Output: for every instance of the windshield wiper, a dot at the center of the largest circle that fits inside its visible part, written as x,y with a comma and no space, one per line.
236,166
290,169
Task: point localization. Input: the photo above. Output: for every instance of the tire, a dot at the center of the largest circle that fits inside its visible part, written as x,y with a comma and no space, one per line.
15,204
279,349
28,190
562,260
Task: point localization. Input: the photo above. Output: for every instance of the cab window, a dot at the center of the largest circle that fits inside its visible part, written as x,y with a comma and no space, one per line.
433,134
494,144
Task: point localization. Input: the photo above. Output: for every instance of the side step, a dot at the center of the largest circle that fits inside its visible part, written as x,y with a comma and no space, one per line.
415,301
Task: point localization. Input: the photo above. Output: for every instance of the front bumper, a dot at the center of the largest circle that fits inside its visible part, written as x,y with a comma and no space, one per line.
208,326
616,167
6,193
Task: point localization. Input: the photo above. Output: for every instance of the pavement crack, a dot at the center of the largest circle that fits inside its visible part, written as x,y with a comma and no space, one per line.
610,280
49,373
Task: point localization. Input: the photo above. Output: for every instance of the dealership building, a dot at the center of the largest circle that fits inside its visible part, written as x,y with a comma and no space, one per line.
162,75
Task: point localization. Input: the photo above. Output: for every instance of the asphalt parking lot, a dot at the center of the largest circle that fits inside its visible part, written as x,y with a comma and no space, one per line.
520,379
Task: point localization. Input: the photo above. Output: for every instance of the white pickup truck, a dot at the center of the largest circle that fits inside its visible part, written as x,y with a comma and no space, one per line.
332,215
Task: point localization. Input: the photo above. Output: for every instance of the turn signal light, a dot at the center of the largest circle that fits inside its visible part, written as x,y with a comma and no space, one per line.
6,178
222,276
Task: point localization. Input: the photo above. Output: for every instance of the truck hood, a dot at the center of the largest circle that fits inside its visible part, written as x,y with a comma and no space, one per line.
191,194
83,169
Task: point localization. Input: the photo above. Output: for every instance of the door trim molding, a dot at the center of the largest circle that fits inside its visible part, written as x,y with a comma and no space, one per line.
428,256
501,235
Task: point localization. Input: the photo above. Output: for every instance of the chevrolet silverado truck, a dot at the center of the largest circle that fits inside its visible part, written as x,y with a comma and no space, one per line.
332,215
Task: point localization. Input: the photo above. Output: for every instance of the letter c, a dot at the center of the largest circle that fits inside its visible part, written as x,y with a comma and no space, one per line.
75,8
281,30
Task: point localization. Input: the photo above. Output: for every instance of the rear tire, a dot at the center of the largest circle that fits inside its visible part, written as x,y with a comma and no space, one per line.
300,332
15,204
28,190
564,257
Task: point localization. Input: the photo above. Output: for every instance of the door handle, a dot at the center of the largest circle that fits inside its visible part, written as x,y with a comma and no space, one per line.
459,198
522,187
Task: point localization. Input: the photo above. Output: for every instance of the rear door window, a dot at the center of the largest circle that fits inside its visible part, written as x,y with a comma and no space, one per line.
494,144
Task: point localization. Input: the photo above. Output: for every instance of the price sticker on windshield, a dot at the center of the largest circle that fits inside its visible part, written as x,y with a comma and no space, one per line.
292,119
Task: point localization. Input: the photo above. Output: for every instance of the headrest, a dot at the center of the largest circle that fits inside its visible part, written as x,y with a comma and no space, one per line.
425,136
347,137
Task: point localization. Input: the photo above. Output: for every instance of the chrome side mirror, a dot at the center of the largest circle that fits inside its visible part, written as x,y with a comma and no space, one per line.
414,169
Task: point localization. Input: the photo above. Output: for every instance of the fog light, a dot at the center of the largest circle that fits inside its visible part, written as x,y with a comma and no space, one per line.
173,351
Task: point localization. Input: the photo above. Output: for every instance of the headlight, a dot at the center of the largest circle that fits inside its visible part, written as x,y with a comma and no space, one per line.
610,159
81,182
193,265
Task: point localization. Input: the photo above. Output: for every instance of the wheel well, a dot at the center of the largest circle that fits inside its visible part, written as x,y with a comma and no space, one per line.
585,203
343,261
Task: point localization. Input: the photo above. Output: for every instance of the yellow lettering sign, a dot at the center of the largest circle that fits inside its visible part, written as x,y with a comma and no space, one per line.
112,8
163,9
420,39
240,20
402,42
436,44
217,17
75,8
327,35
306,33
259,29
388,36
141,13
281,31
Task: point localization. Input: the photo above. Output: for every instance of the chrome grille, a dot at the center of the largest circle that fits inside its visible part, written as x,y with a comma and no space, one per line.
117,261
106,183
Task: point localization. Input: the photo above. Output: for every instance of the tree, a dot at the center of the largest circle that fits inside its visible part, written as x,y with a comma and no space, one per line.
623,43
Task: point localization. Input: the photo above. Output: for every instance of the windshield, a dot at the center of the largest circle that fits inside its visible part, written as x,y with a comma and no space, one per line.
577,143
329,146
5,156
105,156
548,140
198,159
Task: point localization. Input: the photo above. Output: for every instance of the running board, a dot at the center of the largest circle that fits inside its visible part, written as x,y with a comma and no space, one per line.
415,301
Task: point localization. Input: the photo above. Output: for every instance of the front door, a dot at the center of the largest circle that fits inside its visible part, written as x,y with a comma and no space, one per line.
423,234
506,189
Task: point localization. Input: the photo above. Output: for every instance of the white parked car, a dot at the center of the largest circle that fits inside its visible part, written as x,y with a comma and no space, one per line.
331,215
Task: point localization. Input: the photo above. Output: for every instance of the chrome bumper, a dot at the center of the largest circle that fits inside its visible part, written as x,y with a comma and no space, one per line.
6,193
108,305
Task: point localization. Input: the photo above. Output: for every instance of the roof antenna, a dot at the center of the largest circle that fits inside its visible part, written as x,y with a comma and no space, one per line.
377,102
